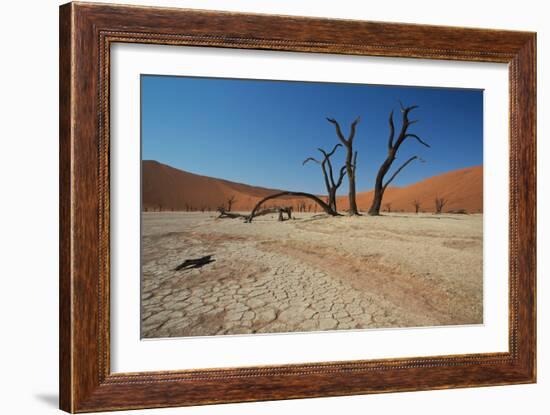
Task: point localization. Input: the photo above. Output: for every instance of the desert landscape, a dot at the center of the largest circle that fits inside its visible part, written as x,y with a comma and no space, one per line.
289,206
313,272
461,189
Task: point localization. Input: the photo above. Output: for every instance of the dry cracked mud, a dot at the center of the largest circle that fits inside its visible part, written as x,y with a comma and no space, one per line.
309,274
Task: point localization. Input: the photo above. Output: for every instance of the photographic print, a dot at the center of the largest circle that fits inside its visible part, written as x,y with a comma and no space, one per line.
289,206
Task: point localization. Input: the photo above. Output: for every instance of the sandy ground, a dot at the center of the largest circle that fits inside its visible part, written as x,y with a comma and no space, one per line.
311,273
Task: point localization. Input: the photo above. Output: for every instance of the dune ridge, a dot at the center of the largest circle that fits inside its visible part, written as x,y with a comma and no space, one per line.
167,188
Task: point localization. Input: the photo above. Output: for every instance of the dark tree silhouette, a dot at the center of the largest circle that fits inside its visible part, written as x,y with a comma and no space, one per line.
230,202
226,214
416,204
328,210
393,147
439,203
351,160
328,174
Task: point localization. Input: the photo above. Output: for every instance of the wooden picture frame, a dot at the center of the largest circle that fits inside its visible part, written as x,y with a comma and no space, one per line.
86,33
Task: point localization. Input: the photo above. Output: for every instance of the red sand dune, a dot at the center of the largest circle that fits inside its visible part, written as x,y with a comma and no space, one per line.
167,188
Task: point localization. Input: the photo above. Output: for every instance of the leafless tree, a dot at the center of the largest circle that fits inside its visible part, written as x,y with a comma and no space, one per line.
416,204
230,202
439,203
328,210
328,174
351,160
393,147
388,207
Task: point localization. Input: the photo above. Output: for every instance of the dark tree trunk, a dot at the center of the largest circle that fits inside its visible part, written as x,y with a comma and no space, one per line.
379,185
350,168
351,162
439,203
332,200
328,175
323,205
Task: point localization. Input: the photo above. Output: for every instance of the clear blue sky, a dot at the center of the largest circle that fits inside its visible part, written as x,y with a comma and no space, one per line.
259,132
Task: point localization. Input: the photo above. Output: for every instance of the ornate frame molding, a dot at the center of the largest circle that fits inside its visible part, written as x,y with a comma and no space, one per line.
86,33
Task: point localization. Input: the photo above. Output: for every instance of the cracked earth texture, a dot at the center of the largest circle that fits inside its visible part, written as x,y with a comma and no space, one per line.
314,273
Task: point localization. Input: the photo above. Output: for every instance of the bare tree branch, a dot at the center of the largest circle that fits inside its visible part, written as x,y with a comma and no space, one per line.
350,163
418,138
310,159
327,155
330,183
338,130
393,147
398,170
230,202
323,205
353,129
392,131
439,203
341,176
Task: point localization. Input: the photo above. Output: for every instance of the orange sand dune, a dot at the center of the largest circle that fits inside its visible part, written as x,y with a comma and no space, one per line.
167,188
462,189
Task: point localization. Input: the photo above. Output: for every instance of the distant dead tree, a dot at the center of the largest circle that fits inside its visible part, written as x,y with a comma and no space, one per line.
388,207
328,210
328,174
351,160
230,202
416,204
393,147
439,203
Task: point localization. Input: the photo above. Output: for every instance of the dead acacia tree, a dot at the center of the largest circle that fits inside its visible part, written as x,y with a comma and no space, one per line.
416,204
351,160
393,147
230,202
439,203
328,210
388,207
328,174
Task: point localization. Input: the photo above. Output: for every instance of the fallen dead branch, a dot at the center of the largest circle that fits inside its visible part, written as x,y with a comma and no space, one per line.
224,214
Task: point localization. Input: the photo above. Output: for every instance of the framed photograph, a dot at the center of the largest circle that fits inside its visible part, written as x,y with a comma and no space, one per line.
260,207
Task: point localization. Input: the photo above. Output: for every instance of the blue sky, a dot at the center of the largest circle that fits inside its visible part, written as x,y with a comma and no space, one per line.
259,132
